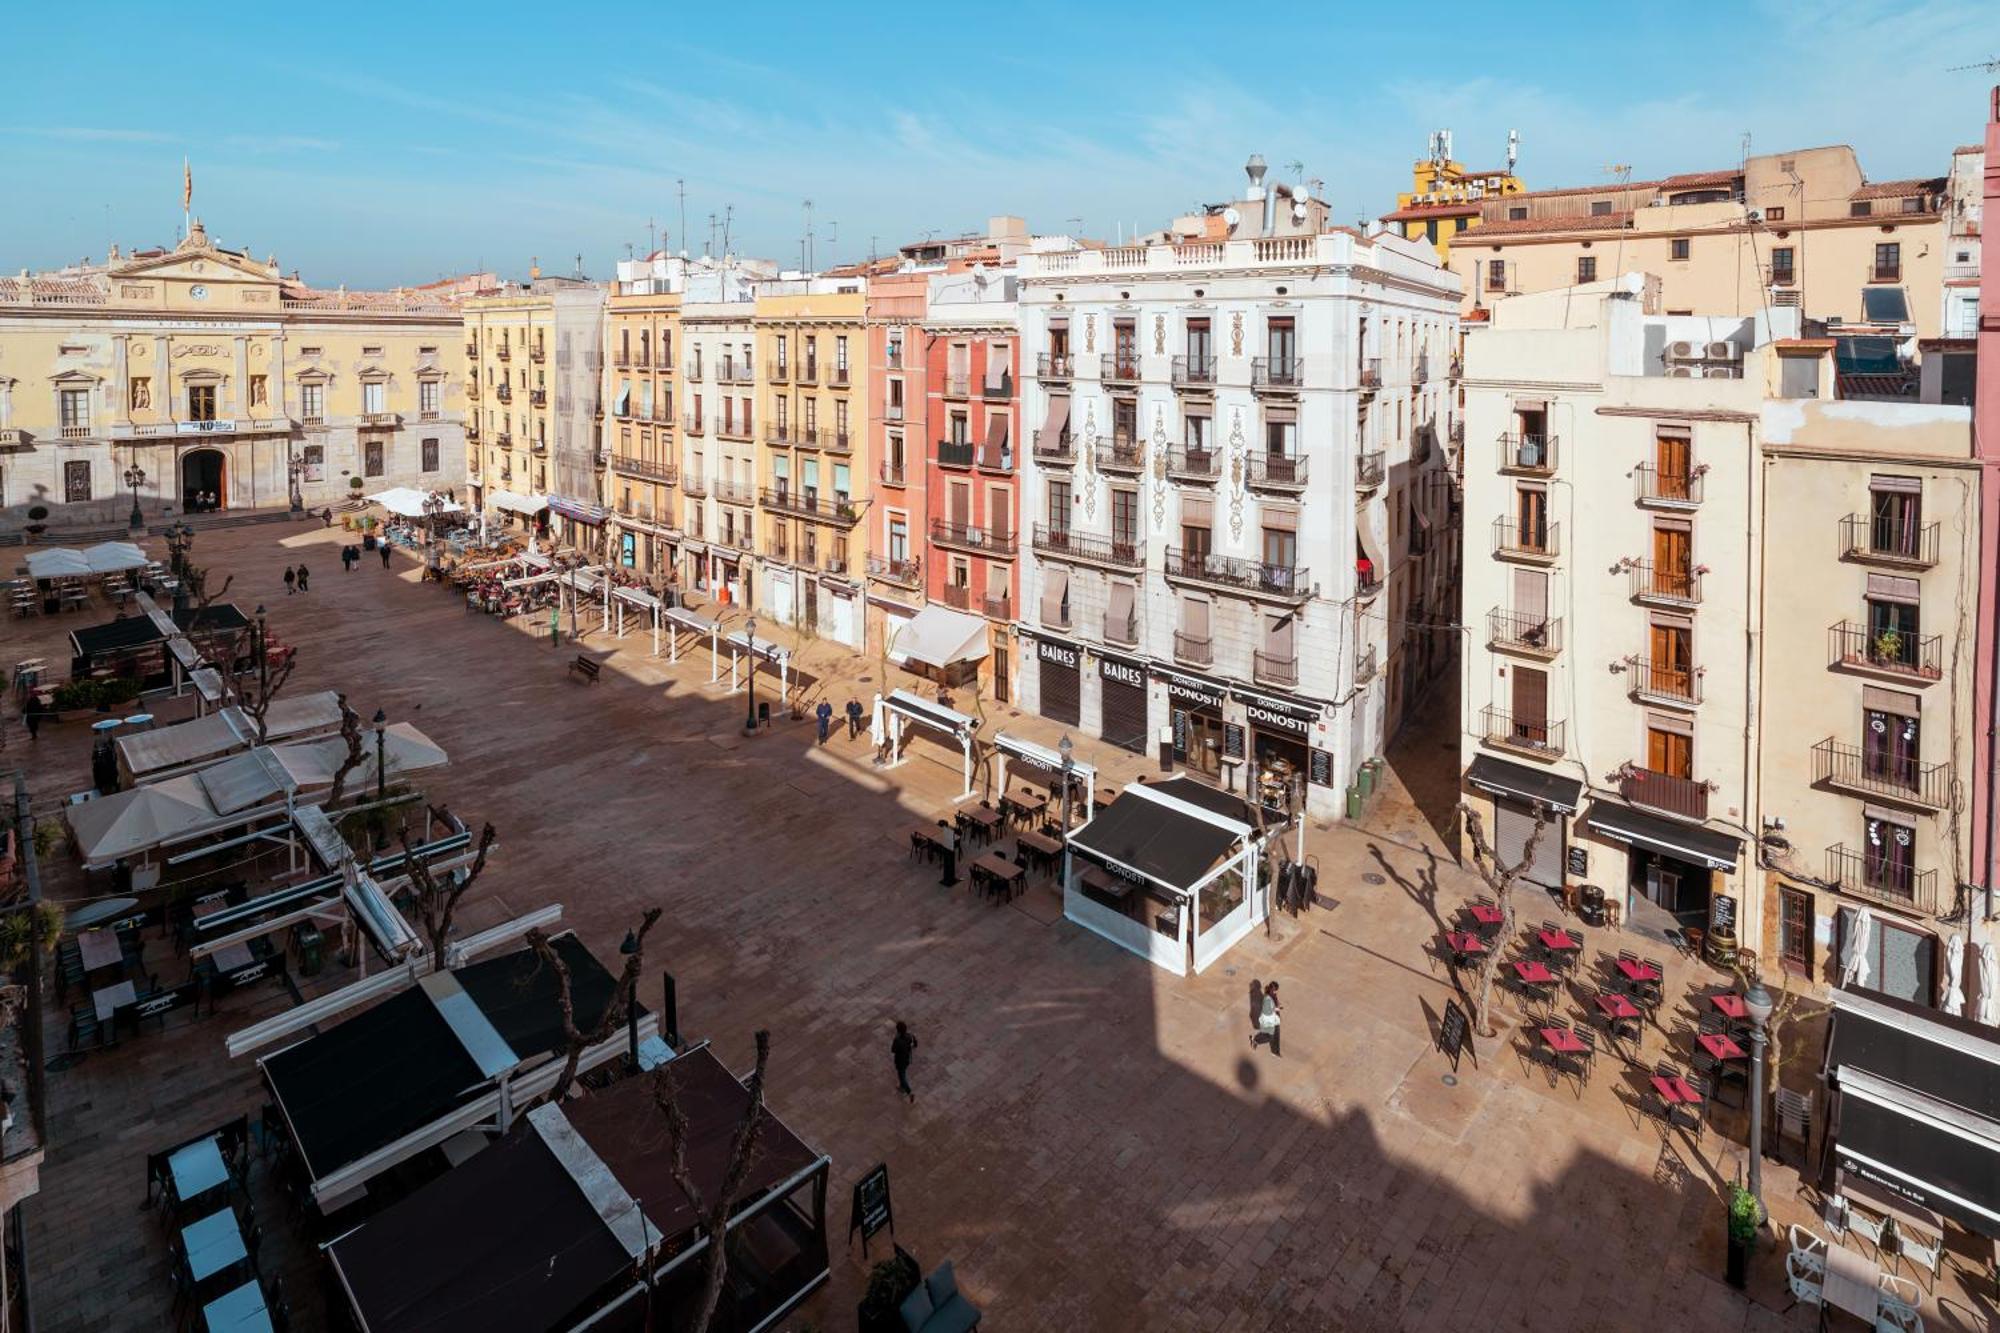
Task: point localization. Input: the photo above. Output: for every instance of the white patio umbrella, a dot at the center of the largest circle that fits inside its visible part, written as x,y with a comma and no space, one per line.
1989,986
110,557
1954,976
58,562
1854,958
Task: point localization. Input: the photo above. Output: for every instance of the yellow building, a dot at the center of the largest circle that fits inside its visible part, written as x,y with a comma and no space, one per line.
812,345
534,361
642,336
1445,196
209,380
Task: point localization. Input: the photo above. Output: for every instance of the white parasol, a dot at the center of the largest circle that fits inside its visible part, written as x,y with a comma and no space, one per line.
1989,986
1854,957
1953,1001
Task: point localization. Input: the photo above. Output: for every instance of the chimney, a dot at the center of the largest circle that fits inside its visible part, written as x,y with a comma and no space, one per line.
1254,169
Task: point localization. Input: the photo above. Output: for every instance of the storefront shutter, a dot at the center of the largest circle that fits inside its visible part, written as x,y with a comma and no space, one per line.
1513,823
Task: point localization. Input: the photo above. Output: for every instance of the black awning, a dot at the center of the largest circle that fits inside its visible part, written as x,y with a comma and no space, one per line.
114,636
1212,799
1160,842
518,993
1946,1063
1689,842
1947,1172
1537,786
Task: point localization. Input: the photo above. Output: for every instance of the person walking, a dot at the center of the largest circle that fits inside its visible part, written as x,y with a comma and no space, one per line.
303,576
555,625
291,577
1268,1018
900,1050
385,553
853,717
347,559
825,715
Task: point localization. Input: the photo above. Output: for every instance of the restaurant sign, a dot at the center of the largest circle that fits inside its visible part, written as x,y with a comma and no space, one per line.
1454,1031
1279,714
1194,691
872,1209
1120,670
1062,654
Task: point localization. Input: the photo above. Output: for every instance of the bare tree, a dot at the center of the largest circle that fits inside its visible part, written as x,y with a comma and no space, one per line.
1789,1011
623,996
256,703
436,902
350,731
1500,879
713,1213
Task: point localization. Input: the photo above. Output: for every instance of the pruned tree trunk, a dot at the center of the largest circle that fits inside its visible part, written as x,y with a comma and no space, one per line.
350,732
713,1213
1500,879
576,1042
437,901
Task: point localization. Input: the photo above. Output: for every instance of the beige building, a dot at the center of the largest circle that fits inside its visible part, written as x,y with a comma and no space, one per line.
1804,230
718,478
1714,628
211,374
642,335
535,376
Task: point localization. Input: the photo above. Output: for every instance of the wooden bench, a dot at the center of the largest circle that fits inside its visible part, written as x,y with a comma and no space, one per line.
587,667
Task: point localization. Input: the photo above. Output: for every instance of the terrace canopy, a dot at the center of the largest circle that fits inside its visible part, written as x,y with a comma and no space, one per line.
696,623
136,637
517,504
148,756
1170,871
577,1202
898,707
58,562
1025,759
941,638
111,557
741,644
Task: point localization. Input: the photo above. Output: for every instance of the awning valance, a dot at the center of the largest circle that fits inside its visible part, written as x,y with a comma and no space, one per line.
1532,785
914,706
1040,755
938,636
1162,841
1690,842
763,648
517,504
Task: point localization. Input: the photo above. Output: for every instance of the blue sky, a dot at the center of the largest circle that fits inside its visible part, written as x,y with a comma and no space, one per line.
374,145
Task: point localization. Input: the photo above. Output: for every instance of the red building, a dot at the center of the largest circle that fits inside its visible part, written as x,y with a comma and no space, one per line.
898,422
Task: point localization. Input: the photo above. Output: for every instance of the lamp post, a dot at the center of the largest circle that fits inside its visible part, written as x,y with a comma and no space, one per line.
1067,747
750,716
629,947
180,537
1757,1002
135,477
296,470
381,780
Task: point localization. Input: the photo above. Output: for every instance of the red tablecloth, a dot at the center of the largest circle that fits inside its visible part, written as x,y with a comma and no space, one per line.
1617,1006
1562,1039
1638,971
1486,914
1559,940
1730,1006
1676,1091
1533,972
1720,1046
1465,942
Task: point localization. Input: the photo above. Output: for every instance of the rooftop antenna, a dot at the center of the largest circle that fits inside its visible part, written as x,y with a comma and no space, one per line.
710,251
728,223
652,236
579,263
1076,227
1513,149
681,187
1297,168
805,250
1990,66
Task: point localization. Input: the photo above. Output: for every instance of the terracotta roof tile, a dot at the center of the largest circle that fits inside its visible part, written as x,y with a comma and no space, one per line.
1695,180
1561,222
1899,189
1420,212
1607,188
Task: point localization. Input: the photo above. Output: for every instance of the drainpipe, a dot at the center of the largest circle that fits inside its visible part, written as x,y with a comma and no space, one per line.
1992,763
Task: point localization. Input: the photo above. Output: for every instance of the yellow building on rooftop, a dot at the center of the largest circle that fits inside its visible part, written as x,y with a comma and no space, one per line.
1445,195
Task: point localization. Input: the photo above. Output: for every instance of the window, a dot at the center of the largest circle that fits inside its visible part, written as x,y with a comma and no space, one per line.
1678,247
315,460
1517,213
260,391
1895,524
430,455
1890,740
840,420
373,396
1281,344
1860,208
811,406
1496,275
840,354
1888,262
312,402
1125,522
1195,430
899,539
1600,208
1586,268
372,458
1795,931
1281,548
142,392
1774,214
427,398
783,353
76,480
1059,506
201,402
1914,204
1888,854
370,351
1901,962
75,406
812,356
1782,271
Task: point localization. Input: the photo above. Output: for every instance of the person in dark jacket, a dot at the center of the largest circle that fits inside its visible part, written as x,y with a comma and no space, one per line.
853,718
385,553
304,577
825,715
291,577
900,1050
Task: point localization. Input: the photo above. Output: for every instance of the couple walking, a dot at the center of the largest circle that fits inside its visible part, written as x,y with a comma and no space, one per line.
298,577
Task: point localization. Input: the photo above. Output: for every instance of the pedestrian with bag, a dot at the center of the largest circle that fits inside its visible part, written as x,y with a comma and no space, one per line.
900,1051
1269,1016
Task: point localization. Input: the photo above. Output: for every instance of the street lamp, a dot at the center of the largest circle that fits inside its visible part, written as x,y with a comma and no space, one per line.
1757,1003
1067,747
750,717
296,468
628,948
381,780
180,537
135,477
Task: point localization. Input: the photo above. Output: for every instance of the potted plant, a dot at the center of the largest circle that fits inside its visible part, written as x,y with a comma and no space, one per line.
889,1282
1743,1224
1889,646
38,520
354,485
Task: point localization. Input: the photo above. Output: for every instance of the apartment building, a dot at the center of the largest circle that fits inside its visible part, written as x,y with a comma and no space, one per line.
535,375
1445,196
898,426
1804,230
971,384
812,338
1230,495
718,405
642,335
1715,628
1964,209
159,376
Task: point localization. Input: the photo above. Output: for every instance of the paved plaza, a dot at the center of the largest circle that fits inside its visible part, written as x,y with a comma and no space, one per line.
1095,1143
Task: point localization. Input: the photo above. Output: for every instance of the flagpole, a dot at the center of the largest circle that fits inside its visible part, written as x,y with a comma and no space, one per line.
187,199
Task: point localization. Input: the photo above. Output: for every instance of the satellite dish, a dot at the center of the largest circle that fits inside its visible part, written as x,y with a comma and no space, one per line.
1298,212
1300,193
1232,217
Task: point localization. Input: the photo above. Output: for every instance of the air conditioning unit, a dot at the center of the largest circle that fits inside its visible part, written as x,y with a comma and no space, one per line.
1719,373
1680,372
1724,351
1682,352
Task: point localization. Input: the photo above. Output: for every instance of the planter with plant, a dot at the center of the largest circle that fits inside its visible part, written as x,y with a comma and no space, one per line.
1889,646
38,520
27,931
1743,1224
889,1282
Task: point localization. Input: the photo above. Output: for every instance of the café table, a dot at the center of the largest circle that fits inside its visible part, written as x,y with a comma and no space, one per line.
1534,973
1562,1039
930,836
1676,1091
1721,1046
1027,807
1043,850
1464,946
110,999
1558,941
232,958
100,948
1486,914
238,1311
997,868
1637,971
196,1169
984,818
1624,1015
212,1245
1852,1283
1730,1005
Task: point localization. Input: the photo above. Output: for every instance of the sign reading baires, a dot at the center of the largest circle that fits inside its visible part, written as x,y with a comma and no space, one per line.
1060,653
1119,670
872,1209
1454,1032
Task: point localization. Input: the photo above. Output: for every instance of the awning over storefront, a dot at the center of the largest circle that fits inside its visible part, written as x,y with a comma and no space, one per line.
1919,1104
915,706
409,502
580,510
938,636
517,504
1533,785
1690,842
1156,832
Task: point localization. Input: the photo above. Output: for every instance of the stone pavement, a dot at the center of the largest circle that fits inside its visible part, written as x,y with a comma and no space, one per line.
1097,1144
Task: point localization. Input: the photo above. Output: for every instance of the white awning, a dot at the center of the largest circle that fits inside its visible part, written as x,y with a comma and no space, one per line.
203,739
518,504
409,501
763,648
1040,755
110,557
938,636
915,706
693,620
637,597
58,562
114,826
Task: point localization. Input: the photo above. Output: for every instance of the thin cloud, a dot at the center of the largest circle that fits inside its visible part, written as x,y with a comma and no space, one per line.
280,143
86,133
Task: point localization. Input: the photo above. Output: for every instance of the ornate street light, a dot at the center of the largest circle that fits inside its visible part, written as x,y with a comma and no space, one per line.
381,720
296,469
1067,747
1757,1002
750,716
135,477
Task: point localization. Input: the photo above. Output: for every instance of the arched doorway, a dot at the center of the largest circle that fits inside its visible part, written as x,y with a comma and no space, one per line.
202,475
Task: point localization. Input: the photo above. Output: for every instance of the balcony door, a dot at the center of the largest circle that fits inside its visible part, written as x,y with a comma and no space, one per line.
1672,652
1672,464
1197,346
1673,561
1531,514
1280,344
1670,752
1125,348
1530,706
1531,600
1890,743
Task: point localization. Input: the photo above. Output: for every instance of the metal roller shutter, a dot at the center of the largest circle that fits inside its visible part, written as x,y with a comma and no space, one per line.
1062,693
1124,715
1512,824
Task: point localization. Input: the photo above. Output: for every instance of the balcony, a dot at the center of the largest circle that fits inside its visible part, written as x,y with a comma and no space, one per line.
1916,659
1527,635
691,423
540,355
1121,453
1063,544
892,357
1202,465
1536,738
472,389
503,352
1194,372
1528,455
892,411
1276,374
789,436
891,474
1197,649
1367,580
1668,490
734,428
1420,373
1879,879
644,467
1888,273
1536,543
1369,374
472,351
1276,472
779,372
837,442
1119,368
1365,664
694,484
1884,541
1053,366
811,504
540,448
779,547
737,372
809,372
538,398
998,391
1285,582
1061,449
1654,683
504,439
1275,670
1663,793
503,392
965,454
1653,586
1369,471
970,537
839,377
471,429
1900,778
1122,629
381,420
904,572
958,386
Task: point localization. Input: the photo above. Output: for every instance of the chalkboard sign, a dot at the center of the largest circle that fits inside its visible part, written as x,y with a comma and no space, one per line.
1232,741
872,1210
1322,768
1579,860
1454,1030
1722,915
1180,733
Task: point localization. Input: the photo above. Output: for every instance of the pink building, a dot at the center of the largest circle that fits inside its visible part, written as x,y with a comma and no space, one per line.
899,424
1986,441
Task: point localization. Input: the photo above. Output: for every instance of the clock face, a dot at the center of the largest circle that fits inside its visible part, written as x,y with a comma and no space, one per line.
198,292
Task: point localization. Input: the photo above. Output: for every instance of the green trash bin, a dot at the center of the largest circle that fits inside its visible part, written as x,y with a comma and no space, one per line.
1353,802
312,948
1364,781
